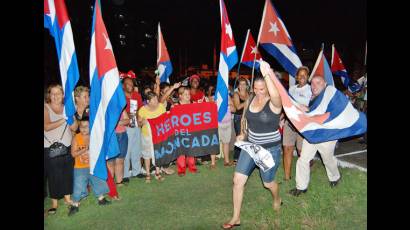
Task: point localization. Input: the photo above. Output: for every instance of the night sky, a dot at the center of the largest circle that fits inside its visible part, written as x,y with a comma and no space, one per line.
191,29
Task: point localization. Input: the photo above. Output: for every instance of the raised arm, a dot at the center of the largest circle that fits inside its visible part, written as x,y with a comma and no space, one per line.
156,86
169,92
268,74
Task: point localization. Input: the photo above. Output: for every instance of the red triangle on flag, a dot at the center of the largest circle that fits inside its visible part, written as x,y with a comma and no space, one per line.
104,52
227,39
337,64
273,30
61,12
161,49
250,50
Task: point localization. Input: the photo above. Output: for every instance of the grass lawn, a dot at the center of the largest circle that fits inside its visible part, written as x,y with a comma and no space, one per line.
204,201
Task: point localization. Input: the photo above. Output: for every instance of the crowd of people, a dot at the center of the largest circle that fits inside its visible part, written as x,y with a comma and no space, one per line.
254,114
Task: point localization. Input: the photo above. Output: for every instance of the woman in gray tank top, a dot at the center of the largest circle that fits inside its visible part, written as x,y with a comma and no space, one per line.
260,123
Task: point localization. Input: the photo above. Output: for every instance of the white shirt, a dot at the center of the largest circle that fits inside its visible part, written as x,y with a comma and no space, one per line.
301,95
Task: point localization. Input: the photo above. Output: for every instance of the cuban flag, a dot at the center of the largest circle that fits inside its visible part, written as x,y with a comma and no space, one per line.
107,99
57,21
228,57
250,52
338,69
163,62
322,69
331,116
275,39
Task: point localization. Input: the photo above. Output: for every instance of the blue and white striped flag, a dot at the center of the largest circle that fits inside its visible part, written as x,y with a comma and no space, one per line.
107,98
57,22
228,57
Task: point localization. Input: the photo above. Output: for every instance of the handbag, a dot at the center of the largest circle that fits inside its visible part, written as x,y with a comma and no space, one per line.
57,148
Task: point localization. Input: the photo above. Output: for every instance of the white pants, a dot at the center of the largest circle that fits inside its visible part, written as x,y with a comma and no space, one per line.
326,150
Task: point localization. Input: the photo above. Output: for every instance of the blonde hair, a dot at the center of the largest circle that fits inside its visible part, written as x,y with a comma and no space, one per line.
79,90
48,100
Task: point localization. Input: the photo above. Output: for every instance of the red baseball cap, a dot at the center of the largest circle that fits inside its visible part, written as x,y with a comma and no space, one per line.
194,77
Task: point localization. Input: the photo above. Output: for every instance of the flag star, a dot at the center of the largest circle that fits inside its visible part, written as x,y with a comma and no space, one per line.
228,30
107,43
293,113
273,28
254,50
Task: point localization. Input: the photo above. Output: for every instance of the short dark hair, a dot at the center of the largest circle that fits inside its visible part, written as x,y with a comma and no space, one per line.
151,95
305,68
85,117
162,85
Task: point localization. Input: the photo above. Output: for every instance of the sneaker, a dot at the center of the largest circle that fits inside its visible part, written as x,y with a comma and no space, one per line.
334,183
140,176
103,201
73,209
126,180
297,192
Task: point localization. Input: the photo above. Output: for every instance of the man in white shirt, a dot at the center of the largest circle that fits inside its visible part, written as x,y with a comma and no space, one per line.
301,93
326,150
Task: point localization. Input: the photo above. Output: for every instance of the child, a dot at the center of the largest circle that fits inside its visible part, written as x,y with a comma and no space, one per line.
82,176
182,160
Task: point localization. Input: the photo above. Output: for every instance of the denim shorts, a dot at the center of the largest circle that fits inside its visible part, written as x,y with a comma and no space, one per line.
82,177
246,165
122,139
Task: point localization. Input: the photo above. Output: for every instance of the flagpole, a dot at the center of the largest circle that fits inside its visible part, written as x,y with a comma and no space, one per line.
316,63
243,52
253,68
257,42
365,55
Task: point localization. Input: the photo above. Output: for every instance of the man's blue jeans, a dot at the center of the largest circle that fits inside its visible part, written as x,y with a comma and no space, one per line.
134,152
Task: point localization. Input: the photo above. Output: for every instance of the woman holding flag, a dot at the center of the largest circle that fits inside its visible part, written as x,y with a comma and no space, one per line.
59,169
260,125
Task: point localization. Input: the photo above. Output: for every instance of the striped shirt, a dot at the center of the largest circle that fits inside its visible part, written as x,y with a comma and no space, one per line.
263,127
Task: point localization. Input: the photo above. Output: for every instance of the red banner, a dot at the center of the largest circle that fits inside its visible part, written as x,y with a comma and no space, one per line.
190,129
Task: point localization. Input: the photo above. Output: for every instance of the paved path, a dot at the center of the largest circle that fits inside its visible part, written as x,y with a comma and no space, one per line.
352,154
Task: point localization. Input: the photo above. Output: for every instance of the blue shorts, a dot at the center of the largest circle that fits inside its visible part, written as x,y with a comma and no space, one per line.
246,165
122,139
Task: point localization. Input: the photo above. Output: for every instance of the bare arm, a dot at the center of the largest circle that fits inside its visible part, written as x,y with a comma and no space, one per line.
237,102
156,87
75,151
268,74
50,125
231,105
141,121
168,93
74,126
124,120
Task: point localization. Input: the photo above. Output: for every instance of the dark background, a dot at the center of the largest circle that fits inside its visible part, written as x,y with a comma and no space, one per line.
191,29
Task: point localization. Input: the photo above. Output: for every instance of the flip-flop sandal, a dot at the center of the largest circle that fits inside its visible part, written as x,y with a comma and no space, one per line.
159,178
229,226
147,179
51,211
119,184
277,208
